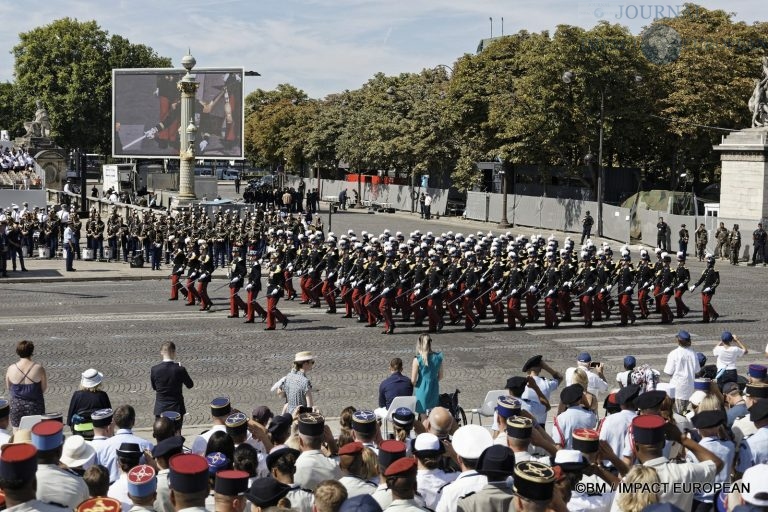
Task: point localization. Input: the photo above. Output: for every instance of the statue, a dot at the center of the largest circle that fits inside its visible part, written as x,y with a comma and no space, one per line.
41,126
758,103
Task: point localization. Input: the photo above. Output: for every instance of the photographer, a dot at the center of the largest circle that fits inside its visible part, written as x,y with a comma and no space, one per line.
597,382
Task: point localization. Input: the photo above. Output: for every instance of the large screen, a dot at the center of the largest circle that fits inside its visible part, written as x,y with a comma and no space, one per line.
146,113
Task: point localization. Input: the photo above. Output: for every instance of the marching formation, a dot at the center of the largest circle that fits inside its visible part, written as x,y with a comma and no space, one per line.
422,278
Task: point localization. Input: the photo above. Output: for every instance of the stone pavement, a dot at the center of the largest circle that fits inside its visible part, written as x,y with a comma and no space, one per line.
98,317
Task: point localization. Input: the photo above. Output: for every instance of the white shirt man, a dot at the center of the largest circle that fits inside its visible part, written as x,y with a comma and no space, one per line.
682,367
63,215
727,356
597,383
469,442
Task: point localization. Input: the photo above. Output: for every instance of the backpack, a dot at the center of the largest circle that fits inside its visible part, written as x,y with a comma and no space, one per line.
645,377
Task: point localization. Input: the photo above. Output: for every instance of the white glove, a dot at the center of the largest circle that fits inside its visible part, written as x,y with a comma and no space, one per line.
496,286
331,275
310,270
416,293
193,275
551,292
532,289
645,284
150,134
691,288
681,286
157,92
513,291
568,284
275,291
628,289
203,276
482,280
467,292
341,280
452,287
385,290
418,286
289,267
435,291
249,287
373,288
203,145
368,287
666,290
706,290
236,279
590,289
602,290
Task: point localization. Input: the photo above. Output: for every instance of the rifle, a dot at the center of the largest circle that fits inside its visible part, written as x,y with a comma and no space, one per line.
430,294
461,296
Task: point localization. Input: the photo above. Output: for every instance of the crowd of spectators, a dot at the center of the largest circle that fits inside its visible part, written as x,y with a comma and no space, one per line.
697,442
17,169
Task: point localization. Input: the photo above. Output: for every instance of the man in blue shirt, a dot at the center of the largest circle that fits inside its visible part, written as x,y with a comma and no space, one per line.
737,407
395,385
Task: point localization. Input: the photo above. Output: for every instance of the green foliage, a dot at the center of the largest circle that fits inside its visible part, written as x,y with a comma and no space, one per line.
68,66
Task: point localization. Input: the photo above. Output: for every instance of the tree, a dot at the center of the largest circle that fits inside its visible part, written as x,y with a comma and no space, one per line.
68,66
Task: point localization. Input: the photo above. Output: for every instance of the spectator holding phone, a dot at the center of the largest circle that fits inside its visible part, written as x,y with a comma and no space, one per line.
595,376
727,356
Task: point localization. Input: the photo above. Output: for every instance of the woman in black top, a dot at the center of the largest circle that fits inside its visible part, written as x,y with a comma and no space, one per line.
90,397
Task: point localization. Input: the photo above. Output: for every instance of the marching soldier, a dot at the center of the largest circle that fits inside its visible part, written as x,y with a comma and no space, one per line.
682,278
514,285
330,264
193,272
179,262
567,273
252,290
455,274
710,280
644,280
389,281
587,278
702,238
498,273
417,306
532,275
274,291
472,284
435,290
372,298
405,282
666,282
625,281
236,278
551,282
206,269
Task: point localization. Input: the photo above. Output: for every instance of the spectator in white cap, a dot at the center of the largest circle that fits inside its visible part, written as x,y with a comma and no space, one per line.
88,398
468,444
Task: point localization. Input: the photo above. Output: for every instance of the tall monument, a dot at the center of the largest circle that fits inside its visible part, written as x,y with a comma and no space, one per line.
744,162
188,87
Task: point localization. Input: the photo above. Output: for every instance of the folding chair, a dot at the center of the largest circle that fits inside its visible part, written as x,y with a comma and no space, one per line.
488,406
397,402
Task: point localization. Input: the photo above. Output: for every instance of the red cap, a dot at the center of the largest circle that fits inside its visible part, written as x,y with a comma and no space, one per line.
351,449
588,434
401,467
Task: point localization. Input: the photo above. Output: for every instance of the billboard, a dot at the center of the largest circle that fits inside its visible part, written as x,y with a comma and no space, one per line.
146,108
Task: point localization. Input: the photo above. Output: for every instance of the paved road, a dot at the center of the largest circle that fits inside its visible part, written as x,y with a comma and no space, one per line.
118,326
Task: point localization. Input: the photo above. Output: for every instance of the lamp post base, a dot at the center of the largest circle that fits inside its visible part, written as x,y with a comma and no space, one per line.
503,224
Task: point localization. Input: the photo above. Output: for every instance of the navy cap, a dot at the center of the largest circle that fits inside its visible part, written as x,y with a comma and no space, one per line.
129,451
630,362
519,427
274,456
220,406
627,394
516,382
360,503
584,357
169,446
648,429
534,480
726,337
759,411
709,419
701,384
364,422
102,417
683,335
217,461
403,417
650,399
236,423
18,462
507,406
189,473
497,462
758,371
279,422
389,451
231,482
174,416
311,424
533,362
266,492
571,394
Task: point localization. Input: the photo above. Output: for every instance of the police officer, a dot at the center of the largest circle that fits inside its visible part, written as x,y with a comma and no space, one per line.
759,239
586,226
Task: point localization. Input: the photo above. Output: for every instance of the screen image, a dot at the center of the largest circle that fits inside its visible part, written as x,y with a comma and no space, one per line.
146,113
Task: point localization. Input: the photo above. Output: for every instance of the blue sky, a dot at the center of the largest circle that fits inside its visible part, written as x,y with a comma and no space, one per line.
326,46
